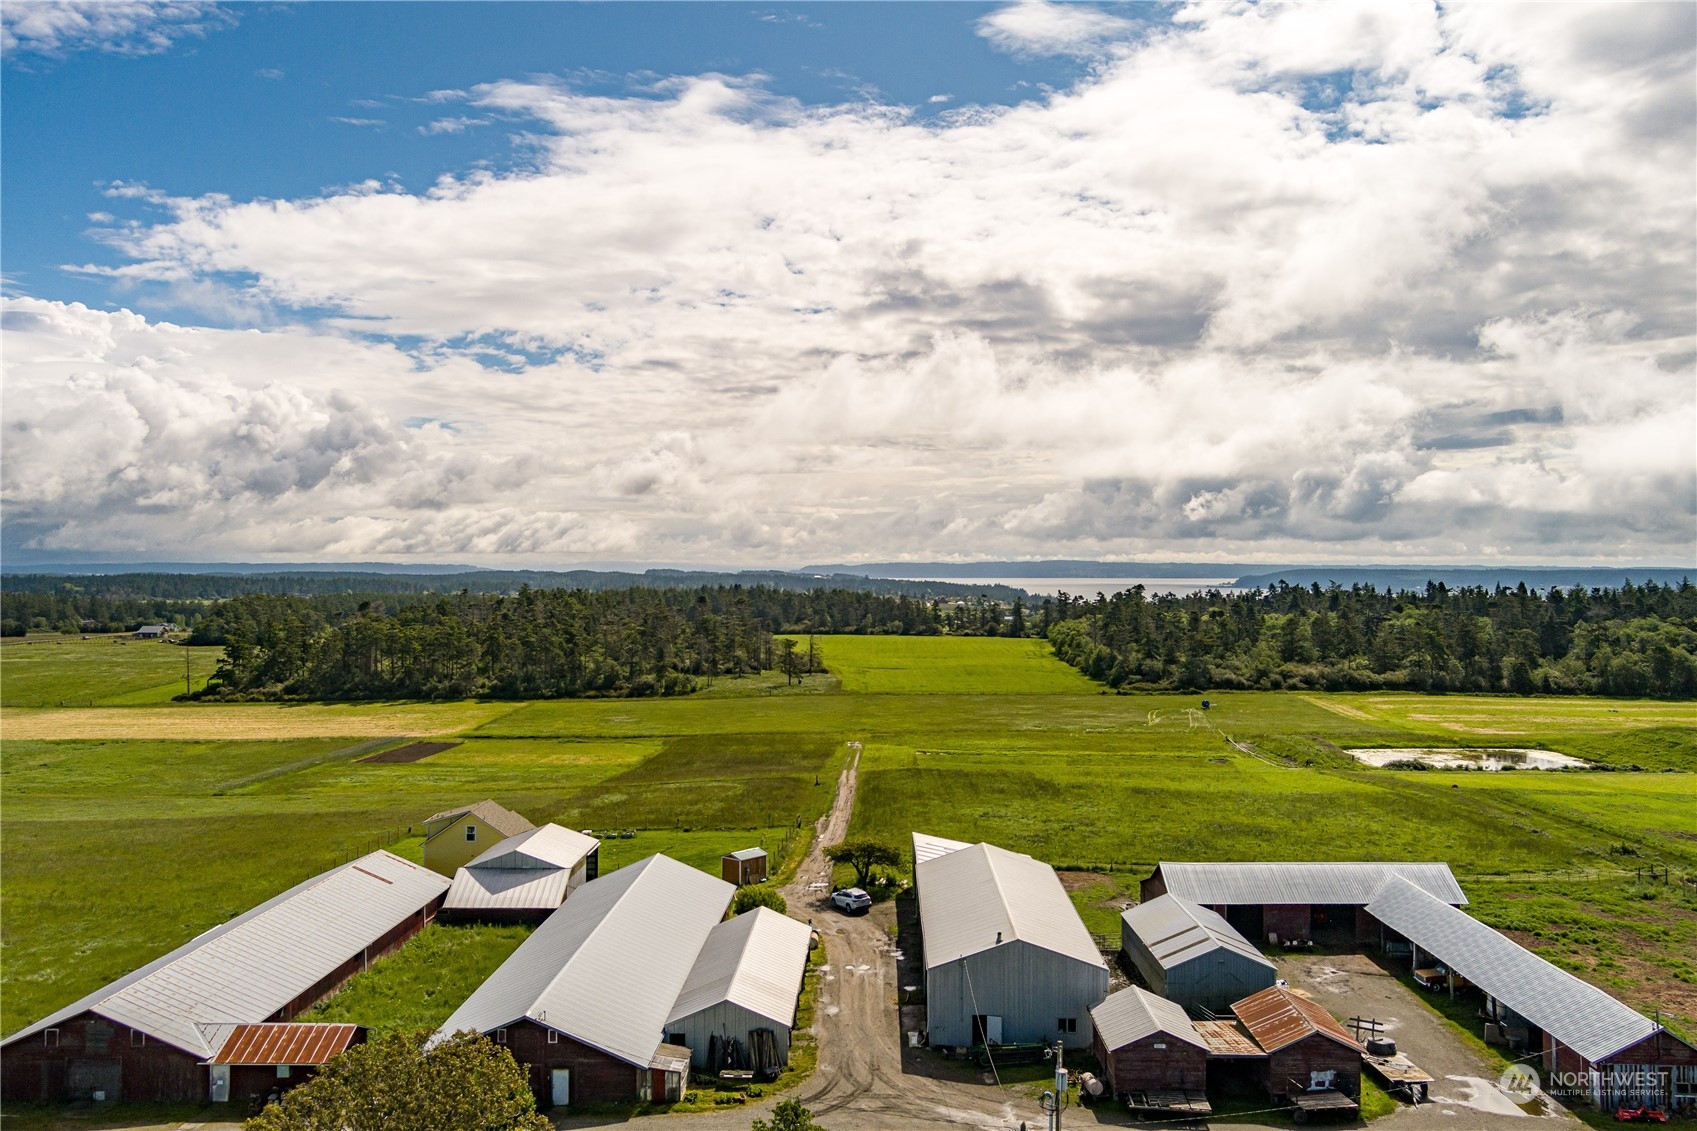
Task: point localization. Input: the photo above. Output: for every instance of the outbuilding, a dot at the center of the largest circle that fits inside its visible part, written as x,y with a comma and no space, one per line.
272,1057
583,1002
1308,1050
1145,1042
1190,954
744,866
524,878
153,1034
1296,901
454,838
738,1006
1007,959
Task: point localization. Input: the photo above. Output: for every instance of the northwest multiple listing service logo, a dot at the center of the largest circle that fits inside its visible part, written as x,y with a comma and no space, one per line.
1519,1082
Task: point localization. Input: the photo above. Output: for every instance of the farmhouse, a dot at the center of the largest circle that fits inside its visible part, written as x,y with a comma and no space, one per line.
1593,1047
152,1034
1007,959
1190,954
524,878
454,838
1146,1043
1308,1051
738,1005
584,1001
745,866
257,1060
1296,902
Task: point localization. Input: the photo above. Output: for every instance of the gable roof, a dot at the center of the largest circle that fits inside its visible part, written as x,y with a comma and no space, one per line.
1278,1016
546,846
970,897
1571,1010
1176,930
756,960
928,847
1134,1013
606,967
247,969
1300,882
496,816
508,889
285,1042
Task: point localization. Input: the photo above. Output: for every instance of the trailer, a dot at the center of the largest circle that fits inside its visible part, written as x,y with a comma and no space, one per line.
1400,1076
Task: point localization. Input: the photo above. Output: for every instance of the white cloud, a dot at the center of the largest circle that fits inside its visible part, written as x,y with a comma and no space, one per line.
1303,282
55,28
1039,27
455,125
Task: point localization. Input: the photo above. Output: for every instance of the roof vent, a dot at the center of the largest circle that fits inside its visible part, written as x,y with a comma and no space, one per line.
998,938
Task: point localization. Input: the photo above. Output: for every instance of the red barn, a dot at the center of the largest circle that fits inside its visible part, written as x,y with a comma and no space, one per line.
1307,1049
1146,1043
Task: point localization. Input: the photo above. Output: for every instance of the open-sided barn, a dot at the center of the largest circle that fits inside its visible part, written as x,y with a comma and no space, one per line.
524,878
584,1001
1286,902
1190,954
1145,1042
1007,959
743,988
1593,1046
152,1034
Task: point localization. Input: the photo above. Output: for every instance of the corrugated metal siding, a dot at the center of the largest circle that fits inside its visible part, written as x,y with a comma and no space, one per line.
1572,1011
1027,986
254,965
606,968
549,846
515,889
756,960
1300,883
285,1043
725,1019
969,897
1189,954
1134,1013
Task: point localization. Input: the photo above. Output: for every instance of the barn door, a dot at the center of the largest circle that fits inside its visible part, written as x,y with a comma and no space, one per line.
993,1029
560,1087
220,1083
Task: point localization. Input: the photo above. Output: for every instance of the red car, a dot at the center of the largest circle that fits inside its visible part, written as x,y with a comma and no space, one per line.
1642,1114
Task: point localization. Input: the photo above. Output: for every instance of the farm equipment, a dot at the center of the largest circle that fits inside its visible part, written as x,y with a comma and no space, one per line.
1643,1113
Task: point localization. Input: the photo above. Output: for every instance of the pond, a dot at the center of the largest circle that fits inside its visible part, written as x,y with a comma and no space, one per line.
1455,758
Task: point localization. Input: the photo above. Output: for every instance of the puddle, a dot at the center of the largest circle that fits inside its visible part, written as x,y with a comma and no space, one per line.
1455,758
1484,1095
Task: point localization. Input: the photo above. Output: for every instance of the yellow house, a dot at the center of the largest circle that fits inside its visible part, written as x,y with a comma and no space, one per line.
453,837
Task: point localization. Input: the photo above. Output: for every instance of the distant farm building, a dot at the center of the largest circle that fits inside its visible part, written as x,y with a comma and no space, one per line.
1190,954
1007,959
454,838
745,866
1308,1050
738,1005
1592,1046
524,878
257,1060
1296,902
1146,1043
584,1001
154,1034
154,631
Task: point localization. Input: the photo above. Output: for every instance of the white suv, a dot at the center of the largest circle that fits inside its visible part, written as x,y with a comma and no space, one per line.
851,900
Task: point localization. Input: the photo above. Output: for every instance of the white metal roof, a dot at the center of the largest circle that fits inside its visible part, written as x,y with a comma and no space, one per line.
756,960
606,967
1574,1012
1176,930
747,854
549,846
249,968
1134,1013
509,889
928,847
970,896
1311,883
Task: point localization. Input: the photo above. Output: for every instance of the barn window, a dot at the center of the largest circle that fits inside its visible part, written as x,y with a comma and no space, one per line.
676,1039
553,1037
137,1038
471,832
1066,1024
500,1036
283,1071
52,1038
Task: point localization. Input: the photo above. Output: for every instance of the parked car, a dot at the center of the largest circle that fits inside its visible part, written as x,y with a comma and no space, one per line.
851,900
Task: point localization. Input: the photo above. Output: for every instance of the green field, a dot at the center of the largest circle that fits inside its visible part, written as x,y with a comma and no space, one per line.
98,671
130,829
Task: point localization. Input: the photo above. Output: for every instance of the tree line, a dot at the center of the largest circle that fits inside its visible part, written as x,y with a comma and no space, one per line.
1637,640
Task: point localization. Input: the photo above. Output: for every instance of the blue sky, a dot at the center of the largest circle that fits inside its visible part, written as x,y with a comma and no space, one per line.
763,285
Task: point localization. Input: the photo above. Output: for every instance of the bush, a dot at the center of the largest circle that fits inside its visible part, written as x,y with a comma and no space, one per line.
758,895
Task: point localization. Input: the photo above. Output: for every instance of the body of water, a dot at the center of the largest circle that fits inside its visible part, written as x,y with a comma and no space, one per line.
1444,758
1090,586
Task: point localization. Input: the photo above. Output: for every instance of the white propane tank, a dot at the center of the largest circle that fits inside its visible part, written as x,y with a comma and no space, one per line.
1091,1085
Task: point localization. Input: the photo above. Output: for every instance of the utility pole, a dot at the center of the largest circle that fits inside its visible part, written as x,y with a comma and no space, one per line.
1053,1102
188,682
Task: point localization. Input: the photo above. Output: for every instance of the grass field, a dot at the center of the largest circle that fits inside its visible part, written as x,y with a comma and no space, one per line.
99,671
418,986
130,828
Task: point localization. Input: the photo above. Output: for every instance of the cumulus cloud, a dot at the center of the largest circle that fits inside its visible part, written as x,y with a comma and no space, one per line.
1039,27
1306,281
57,28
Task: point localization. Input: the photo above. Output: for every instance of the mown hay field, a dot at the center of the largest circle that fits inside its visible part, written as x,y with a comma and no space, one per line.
111,671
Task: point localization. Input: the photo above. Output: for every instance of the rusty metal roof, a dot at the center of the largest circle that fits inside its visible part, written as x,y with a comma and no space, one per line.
285,1042
1279,1016
1225,1038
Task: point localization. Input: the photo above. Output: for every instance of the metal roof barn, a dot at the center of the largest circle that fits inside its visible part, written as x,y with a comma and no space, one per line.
928,847
549,846
606,968
1006,955
1190,954
1277,1017
1318,884
748,976
523,876
285,1042
254,966
1134,1013
1574,1012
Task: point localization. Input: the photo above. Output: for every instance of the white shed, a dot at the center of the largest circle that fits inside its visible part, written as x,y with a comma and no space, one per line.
746,979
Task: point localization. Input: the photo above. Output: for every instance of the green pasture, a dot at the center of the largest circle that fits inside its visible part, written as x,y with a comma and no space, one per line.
421,984
130,829
98,671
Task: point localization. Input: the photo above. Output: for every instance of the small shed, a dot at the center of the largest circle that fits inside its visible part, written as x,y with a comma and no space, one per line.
744,866
1308,1050
453,838
1146,1043
1192,955
276,1056
738,1006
